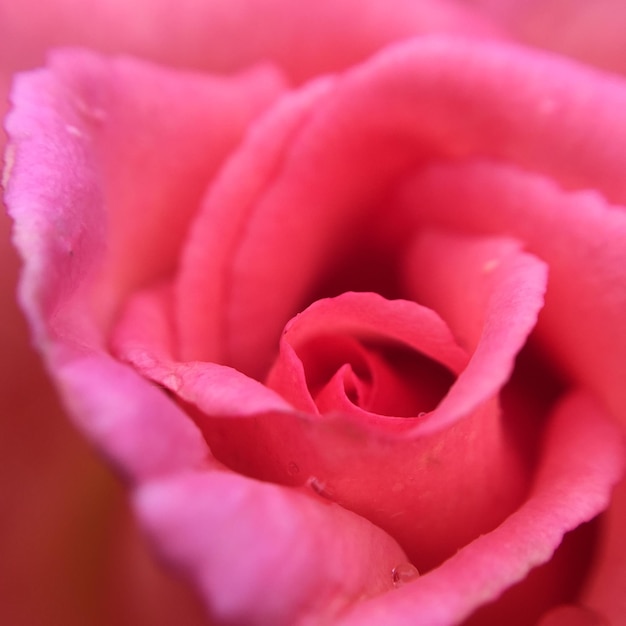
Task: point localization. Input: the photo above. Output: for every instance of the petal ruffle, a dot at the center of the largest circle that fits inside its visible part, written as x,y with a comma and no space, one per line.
229,532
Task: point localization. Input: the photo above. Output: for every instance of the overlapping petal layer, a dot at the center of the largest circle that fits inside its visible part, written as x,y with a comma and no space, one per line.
227,531
583,449
402,108
405,106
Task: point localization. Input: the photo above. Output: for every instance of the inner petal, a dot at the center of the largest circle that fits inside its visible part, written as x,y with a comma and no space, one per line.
344,374
402,357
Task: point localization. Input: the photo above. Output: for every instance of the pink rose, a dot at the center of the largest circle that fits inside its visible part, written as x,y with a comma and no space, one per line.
354,338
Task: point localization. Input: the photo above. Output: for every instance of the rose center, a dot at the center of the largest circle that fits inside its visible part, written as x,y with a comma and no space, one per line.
383,378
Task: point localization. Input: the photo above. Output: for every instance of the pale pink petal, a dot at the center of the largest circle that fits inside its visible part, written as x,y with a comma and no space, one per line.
264,554
81,114
305,38
162,132
131,421
583,458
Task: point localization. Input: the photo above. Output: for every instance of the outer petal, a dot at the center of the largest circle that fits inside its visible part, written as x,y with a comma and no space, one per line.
583,459
79,115
119,126
230,533
406,106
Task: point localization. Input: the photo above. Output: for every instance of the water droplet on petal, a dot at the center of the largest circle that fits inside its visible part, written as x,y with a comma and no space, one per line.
292,469
73,130
403,574
320,487
422,414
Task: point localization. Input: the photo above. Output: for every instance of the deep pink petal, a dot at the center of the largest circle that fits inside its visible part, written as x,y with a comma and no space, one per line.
366,317
572,615
409,104
237,538
583,459
206,275
604,592
491,294
580,237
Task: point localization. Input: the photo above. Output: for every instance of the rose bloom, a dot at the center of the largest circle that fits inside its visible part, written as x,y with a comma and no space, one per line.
338,290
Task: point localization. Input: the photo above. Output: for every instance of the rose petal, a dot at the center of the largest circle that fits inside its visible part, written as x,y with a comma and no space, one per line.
578,235
491,294
408,104
231,533
584,457
366,316
143,337
205,278
572,616
604,592
88,134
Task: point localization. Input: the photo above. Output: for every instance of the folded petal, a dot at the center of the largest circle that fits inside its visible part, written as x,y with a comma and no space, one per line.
143,337
490,293
116,151
368,318
577,234
234,536
408,105
583,459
